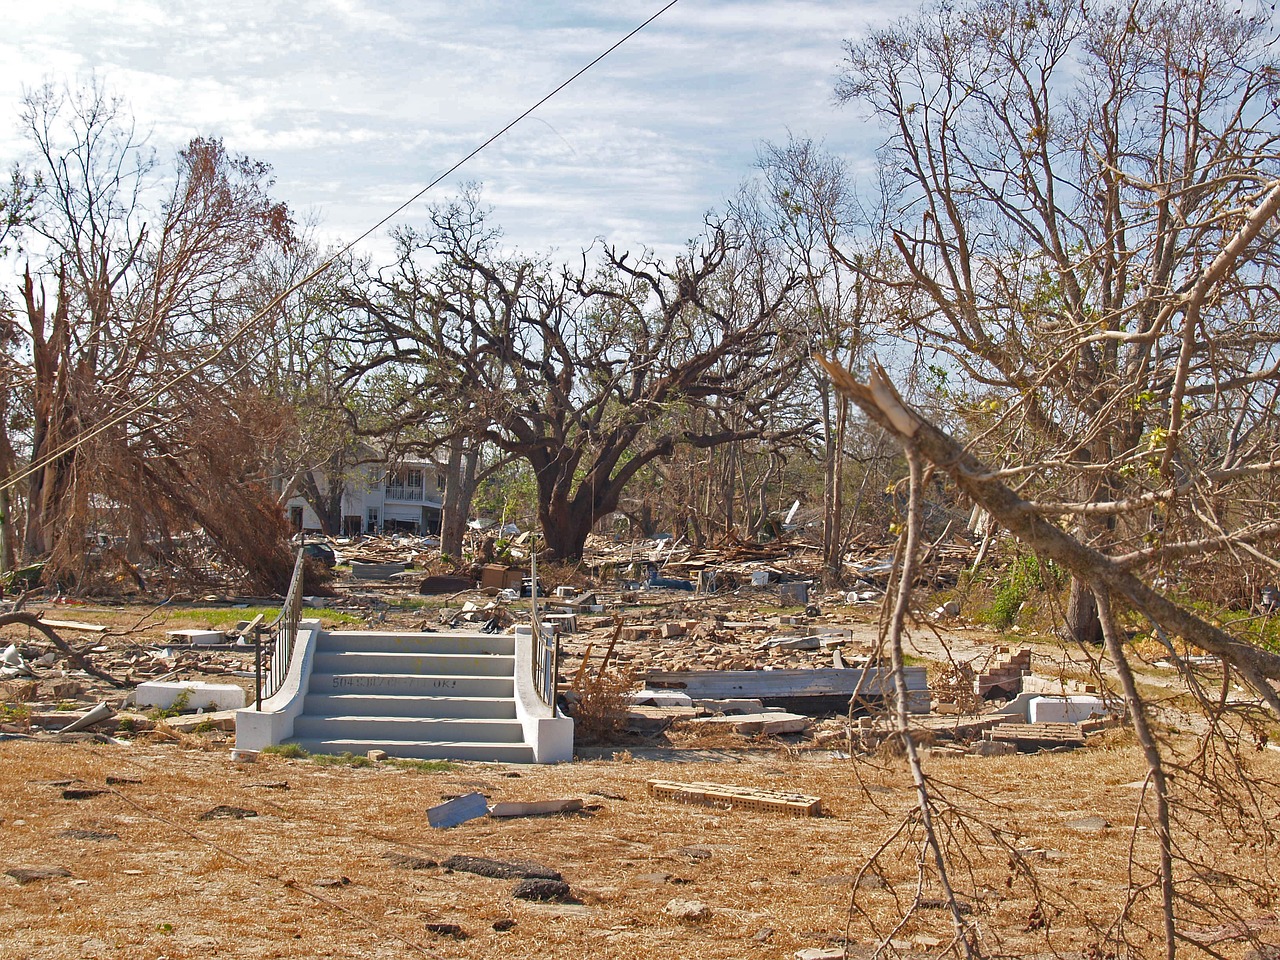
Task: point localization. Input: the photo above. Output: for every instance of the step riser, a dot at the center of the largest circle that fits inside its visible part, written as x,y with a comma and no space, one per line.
418,686
417,643
391,729
438,664
461,707
491,752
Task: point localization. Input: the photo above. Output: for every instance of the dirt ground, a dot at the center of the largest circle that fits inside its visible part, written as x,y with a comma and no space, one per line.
340,861
320,869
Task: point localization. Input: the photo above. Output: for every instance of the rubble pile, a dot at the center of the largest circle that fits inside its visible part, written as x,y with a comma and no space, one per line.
658,614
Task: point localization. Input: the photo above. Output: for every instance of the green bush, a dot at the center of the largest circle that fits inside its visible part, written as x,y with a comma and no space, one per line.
1025,576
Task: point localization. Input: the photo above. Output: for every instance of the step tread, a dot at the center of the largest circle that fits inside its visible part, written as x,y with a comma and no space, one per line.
434,721
475,750
478,645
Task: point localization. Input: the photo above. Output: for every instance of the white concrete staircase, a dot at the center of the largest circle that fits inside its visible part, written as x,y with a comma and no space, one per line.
427,696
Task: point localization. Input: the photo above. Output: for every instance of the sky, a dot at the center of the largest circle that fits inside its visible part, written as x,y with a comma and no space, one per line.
358,104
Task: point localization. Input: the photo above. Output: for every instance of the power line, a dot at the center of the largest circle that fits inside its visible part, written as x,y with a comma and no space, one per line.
279,298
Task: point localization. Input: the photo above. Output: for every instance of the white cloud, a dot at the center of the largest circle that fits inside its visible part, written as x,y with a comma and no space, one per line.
358,103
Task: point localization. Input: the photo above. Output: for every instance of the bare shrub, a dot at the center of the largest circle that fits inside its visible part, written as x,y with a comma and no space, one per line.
600,710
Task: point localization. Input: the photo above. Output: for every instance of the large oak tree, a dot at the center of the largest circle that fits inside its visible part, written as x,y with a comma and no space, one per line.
589,374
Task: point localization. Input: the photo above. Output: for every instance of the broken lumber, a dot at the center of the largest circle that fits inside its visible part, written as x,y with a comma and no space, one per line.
534,808
1028,737
737,798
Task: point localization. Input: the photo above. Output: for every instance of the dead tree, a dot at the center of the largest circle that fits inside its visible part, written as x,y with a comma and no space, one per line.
1062,178
1114,582
142,412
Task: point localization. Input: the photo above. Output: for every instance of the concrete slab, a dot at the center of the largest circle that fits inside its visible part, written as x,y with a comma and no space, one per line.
1066,709
200,695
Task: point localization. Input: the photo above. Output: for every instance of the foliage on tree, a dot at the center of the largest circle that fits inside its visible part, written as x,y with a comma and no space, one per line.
143,417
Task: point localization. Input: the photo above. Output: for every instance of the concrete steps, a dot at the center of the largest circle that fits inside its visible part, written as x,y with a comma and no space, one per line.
426,749
427,696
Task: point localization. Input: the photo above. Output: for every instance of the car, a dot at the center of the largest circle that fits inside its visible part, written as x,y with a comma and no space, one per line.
322,552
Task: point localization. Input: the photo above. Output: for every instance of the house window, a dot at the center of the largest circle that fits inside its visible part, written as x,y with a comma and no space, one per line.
373,521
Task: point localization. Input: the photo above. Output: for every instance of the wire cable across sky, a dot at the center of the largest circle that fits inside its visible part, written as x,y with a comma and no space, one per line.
47,458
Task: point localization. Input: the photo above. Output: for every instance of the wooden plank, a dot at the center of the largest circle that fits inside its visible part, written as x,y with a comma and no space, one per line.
534,808
737,798
74,625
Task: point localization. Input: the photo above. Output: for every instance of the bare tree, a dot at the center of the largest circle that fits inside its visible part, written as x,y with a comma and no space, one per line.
132,425
585,375
1085,235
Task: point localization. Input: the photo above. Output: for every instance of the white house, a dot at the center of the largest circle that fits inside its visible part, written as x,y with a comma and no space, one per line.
378,498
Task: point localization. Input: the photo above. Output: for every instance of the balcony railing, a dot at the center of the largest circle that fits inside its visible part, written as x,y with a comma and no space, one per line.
396,492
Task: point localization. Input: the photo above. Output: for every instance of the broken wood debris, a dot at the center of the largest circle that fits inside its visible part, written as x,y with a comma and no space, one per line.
534,808
737,798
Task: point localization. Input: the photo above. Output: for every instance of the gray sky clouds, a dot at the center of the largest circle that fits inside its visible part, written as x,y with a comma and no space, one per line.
358,103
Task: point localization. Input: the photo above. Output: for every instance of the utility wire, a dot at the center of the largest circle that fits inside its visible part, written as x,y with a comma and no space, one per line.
279,298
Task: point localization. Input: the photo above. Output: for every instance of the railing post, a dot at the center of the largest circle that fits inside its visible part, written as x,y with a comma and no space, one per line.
257,670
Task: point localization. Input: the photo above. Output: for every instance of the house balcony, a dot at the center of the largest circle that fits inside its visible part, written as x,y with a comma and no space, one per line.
405,494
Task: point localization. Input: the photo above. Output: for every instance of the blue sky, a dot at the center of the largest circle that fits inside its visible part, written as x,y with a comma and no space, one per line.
358,103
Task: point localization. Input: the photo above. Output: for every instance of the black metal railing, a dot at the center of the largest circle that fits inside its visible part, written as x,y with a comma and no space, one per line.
280,635
546,643
546,663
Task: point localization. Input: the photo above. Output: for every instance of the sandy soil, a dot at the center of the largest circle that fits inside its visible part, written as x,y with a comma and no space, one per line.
309,875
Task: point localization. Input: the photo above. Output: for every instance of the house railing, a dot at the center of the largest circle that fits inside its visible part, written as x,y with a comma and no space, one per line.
397,492
280,634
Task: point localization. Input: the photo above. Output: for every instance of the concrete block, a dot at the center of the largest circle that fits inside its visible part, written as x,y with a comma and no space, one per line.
670,630
197,638
1066,709
200,695
564,622
759,724
661,698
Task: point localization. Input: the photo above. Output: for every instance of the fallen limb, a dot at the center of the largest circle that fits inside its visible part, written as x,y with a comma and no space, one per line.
74,655
880,401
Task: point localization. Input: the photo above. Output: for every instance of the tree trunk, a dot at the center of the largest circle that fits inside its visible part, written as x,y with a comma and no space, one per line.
1083,624
459,488
327,505
566,521
6,531
833,512
565,526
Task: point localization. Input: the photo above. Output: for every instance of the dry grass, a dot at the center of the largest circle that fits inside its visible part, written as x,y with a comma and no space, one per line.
173,885
600,704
